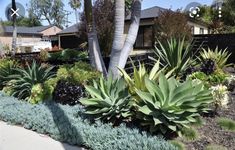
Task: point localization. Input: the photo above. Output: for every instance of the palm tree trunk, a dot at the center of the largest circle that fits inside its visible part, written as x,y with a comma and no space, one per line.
118,40
132,33
14,36
93,44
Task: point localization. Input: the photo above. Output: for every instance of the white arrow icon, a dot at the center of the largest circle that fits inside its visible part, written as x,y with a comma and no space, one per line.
14,12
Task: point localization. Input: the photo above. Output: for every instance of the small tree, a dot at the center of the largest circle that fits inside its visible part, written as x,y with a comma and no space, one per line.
171,24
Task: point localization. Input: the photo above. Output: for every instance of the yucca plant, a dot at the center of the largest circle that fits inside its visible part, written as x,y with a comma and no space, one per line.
25,78
109,101
219,56
170,105
175,54
137,81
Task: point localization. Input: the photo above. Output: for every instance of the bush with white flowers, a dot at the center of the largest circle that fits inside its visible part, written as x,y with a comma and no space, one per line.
220,96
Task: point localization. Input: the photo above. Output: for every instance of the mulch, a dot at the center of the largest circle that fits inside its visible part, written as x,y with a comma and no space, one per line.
212,133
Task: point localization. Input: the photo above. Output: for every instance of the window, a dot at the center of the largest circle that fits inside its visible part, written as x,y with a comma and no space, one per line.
201,30
144,37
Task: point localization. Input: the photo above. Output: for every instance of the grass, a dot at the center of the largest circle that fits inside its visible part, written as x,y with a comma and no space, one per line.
215,147
178,144
189,134
226,124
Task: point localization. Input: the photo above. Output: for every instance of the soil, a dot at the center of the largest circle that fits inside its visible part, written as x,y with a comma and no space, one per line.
211,133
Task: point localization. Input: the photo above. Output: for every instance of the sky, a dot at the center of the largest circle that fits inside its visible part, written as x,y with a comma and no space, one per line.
169,4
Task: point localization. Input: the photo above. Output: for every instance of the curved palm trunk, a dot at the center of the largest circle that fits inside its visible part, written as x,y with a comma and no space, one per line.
14,36
93,44
118,40
132,33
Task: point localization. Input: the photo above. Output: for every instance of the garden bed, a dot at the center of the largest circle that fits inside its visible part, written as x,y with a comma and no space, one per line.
212,133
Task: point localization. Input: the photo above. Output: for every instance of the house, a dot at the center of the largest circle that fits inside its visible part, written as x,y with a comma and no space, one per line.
26,35
69,38
145,38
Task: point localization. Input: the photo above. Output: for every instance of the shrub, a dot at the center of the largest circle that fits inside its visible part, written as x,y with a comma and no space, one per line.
65,123
68,93
227,124
6,69
110,100
170,105
25,78
220,96
175,55
220,57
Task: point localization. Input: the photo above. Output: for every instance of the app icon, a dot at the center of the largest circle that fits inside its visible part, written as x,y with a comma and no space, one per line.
193,10
10,12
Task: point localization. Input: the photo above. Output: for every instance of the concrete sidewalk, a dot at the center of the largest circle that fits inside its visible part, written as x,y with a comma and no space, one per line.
18,138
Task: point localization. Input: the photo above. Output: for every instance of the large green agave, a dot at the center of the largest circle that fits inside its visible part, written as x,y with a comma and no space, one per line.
170,105
25,78
109,101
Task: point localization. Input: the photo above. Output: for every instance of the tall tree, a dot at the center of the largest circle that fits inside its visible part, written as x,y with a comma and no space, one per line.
23,21
121,46
50,10
75,5
14,37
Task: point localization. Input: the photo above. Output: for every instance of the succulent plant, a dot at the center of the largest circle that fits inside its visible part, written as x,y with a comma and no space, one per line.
37,94
109,101
171,105
208,66
66,92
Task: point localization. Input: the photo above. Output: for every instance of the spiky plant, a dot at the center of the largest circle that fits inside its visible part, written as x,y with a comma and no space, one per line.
25,78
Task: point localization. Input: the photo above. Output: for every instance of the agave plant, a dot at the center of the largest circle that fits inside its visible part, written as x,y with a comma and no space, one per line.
137,82
175,55
219,56
25,78
109,101
170,105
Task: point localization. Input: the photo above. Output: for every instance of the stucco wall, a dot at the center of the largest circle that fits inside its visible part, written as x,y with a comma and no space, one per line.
197,28
7,40
51,31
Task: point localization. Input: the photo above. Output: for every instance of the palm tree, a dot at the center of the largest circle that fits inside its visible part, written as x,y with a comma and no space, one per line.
75,5
93,44
118,40
14,38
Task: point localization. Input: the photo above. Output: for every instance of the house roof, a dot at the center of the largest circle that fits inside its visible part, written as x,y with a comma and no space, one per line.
149,13
26,30
71,29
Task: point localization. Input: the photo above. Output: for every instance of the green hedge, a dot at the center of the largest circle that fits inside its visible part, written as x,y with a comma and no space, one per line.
67,124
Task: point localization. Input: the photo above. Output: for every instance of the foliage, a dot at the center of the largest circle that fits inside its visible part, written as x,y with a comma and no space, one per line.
210,80
190,134
110,100
37,94
178,144
227,124
25,78
68,93
171,105
50,10
44,55
79,73
170,24
215,147
220,96
6,69
67,55
208,66
137,82
220,57
23,21
65,124
175,55
49,87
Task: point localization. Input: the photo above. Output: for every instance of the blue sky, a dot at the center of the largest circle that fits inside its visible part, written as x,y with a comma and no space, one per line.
173,4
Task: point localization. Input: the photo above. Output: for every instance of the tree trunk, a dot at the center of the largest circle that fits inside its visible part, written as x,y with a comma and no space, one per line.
132,33
14,36
118,40
93,44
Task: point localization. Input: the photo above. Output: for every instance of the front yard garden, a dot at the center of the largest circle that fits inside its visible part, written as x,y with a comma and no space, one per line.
184,101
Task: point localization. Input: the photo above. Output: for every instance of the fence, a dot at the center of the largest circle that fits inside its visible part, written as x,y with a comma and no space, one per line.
134,59
222,41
